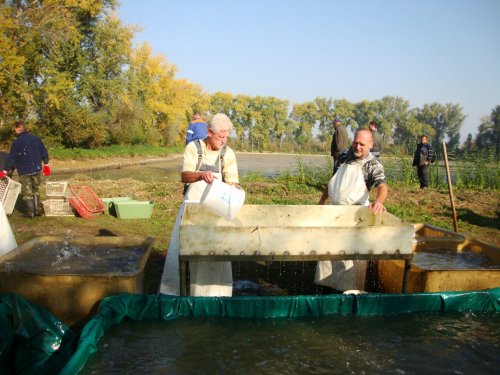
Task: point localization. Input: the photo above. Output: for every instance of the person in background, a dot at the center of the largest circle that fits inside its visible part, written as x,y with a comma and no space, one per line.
340,140
204,160
357,172
424,156
3,159
377,139
26,155
197,129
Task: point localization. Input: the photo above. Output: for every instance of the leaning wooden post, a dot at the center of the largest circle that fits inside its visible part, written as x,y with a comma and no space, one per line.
454,211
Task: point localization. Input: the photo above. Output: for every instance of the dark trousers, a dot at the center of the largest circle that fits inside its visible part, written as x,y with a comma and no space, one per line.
335,161
423,175
30,185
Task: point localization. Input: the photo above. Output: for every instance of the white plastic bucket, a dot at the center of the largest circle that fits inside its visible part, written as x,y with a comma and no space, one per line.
223,199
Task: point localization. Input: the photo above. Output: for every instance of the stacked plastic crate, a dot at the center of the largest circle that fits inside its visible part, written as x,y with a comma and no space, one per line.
57,203
9,190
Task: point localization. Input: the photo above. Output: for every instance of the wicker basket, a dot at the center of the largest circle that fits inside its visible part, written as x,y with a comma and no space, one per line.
57,207
57,189
9,190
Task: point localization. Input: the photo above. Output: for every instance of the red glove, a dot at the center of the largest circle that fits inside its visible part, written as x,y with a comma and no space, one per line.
3,174
46,170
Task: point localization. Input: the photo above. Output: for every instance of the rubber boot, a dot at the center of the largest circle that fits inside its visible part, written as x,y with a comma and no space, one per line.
30,208
36,204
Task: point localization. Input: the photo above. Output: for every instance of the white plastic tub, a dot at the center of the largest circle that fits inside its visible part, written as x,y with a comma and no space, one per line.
223,199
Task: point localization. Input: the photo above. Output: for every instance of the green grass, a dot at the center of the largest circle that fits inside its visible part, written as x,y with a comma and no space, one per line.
113,151
411,214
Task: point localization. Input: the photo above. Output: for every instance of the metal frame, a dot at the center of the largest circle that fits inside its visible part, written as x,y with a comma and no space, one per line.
184,261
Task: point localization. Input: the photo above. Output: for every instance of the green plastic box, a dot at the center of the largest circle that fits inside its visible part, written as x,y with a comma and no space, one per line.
133,209
109,203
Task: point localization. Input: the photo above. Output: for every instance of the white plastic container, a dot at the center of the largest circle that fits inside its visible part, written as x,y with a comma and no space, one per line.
7,240
223,199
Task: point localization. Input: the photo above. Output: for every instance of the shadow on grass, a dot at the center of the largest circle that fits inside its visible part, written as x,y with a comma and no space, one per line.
469,216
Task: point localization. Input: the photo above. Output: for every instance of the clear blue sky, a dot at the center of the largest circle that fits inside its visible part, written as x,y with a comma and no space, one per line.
445,51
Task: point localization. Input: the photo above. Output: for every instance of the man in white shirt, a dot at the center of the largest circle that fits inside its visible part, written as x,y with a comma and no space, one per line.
204,160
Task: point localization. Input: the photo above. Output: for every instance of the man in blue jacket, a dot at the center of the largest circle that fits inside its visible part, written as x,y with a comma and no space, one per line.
26,155
197,129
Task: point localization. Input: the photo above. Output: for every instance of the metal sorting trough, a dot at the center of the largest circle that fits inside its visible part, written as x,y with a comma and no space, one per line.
435,240
72,288
292,233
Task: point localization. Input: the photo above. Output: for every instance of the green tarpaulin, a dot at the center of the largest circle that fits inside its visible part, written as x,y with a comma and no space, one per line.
32,341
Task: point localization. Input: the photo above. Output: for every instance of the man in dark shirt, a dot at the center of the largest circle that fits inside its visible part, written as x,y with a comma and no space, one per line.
377,139
424,156
26,155
340,140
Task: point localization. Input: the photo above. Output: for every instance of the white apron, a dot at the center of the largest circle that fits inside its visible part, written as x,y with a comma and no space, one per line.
346,187
214,279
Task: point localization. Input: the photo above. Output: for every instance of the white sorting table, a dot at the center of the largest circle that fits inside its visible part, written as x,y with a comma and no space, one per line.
292,233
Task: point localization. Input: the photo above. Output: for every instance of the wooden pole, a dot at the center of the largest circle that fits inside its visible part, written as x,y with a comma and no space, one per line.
454,211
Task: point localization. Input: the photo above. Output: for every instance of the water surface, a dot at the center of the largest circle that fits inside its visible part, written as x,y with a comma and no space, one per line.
399,344
53,258
456,260
269,165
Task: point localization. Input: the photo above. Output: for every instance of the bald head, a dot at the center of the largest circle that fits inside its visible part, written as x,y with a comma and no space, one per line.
363,142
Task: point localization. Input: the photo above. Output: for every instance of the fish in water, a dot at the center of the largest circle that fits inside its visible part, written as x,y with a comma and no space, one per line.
250,288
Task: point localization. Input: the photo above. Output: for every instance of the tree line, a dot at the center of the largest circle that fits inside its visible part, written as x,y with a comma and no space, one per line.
71,70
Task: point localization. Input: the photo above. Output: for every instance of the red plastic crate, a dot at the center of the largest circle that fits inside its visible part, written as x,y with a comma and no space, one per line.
86,202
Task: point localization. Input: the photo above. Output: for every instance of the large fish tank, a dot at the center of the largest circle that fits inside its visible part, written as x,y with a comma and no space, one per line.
429,332
69,275
443,261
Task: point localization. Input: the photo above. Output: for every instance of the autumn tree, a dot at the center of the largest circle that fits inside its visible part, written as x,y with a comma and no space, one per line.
325,116
275,114
366,111
224,102
446,120
14,93
489,132
70,68
344,109
304,117
58,44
